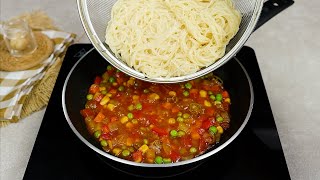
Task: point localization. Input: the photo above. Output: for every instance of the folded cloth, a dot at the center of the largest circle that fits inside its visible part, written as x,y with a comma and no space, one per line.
15,86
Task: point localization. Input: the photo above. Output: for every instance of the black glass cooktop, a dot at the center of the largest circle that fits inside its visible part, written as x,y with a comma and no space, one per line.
255,154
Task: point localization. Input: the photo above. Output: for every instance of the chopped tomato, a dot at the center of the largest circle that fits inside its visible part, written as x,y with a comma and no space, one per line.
97,80
87,112
225,94
209,111
160,131
202,145
137,156
105,129
206,124
194,93
174,156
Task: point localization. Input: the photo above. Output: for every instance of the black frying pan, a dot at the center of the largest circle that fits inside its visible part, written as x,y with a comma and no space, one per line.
236,82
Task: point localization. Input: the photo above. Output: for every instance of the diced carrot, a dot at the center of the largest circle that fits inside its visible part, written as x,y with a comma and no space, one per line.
167,105
225,94
94,88
100,116
113,119
195,135
175,109
129,141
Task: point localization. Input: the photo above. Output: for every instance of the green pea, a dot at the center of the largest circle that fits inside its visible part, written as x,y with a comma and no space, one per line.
188,85
125,153
104,143
180,119
130,115
158,160
89,97
186,115
131,107
186,93
213,129
173,133
109,67
118,70
139,106
146,91
97,134
112,79
218,97
181,133
179,114
120,88
104,92
166,160
145,141
193,150
210,92
212,97
219,119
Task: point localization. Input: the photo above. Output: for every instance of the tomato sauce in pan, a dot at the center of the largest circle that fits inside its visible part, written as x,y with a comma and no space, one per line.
156,123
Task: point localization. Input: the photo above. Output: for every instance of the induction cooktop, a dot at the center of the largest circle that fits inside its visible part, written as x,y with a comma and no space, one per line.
255,154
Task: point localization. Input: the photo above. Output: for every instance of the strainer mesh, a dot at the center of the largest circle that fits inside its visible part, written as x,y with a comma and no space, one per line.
95,15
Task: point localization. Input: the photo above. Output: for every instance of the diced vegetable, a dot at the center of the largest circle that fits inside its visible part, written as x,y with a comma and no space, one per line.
155,123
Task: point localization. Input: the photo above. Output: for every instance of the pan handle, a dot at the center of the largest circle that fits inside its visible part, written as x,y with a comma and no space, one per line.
270,9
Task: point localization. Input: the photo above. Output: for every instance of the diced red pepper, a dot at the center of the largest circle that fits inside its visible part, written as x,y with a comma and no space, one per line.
160,131
206,124
87,112
137,156
225,94
174,156
105,129
97,80
93,89
215,89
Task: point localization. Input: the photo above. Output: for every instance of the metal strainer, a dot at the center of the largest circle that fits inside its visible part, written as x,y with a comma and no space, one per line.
95,14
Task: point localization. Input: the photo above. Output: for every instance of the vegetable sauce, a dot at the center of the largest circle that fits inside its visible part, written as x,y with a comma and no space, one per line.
156,123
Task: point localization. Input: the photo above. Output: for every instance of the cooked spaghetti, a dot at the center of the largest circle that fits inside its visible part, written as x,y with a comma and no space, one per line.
170,38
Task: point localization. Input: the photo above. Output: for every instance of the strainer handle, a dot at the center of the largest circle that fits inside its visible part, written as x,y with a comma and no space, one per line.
271,8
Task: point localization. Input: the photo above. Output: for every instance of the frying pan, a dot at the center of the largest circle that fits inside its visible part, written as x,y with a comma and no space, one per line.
235,80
